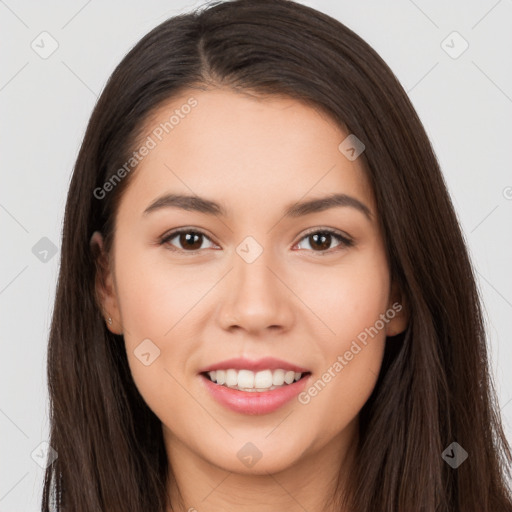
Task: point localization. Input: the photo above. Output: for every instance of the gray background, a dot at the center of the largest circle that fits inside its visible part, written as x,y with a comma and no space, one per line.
465,104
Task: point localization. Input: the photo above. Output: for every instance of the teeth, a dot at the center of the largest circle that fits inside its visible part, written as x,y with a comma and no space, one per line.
261,379
278,377
246,380
289,377
231,378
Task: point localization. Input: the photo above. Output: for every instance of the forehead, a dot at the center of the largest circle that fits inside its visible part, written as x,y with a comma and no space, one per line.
247,151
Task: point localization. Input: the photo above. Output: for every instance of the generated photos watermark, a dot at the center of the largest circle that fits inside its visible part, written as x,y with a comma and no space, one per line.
151,142
342,360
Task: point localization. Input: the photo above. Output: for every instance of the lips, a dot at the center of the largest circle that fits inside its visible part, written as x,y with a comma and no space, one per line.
267,363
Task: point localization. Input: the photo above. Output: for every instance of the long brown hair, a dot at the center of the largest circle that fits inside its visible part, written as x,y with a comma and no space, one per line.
434,387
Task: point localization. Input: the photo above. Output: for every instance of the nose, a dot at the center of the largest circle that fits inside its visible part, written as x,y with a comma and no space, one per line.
256,296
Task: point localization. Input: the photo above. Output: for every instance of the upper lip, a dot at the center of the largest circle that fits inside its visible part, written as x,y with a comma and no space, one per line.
241,363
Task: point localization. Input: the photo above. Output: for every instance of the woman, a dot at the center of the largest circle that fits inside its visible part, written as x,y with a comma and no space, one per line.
325,349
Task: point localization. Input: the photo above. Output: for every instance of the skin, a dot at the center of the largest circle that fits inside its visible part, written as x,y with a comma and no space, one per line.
255,156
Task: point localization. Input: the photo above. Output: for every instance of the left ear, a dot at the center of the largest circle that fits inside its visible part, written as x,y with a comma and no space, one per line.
397,312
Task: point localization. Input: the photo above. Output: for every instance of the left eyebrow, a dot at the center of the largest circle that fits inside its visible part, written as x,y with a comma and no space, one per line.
324,203
298,209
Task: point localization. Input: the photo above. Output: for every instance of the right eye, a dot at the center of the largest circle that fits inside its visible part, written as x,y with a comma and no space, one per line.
189,239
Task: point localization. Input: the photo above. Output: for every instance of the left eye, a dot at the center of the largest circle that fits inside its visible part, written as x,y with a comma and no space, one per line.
322,238
190,239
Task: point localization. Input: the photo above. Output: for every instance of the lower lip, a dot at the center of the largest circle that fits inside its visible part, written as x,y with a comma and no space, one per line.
256,402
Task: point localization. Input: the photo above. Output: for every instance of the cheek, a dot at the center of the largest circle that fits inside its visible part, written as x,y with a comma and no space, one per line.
153,295
152,301
337,393
353,347
349,297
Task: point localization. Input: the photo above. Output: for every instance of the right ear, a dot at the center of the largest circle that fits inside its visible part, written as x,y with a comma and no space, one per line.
105,291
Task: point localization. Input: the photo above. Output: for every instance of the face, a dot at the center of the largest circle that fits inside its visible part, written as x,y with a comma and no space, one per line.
288,291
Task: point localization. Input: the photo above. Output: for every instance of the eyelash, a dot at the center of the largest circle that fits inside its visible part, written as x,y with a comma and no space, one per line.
344,240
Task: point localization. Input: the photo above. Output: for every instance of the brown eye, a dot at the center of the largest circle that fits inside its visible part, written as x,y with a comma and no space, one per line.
188,240
321,240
